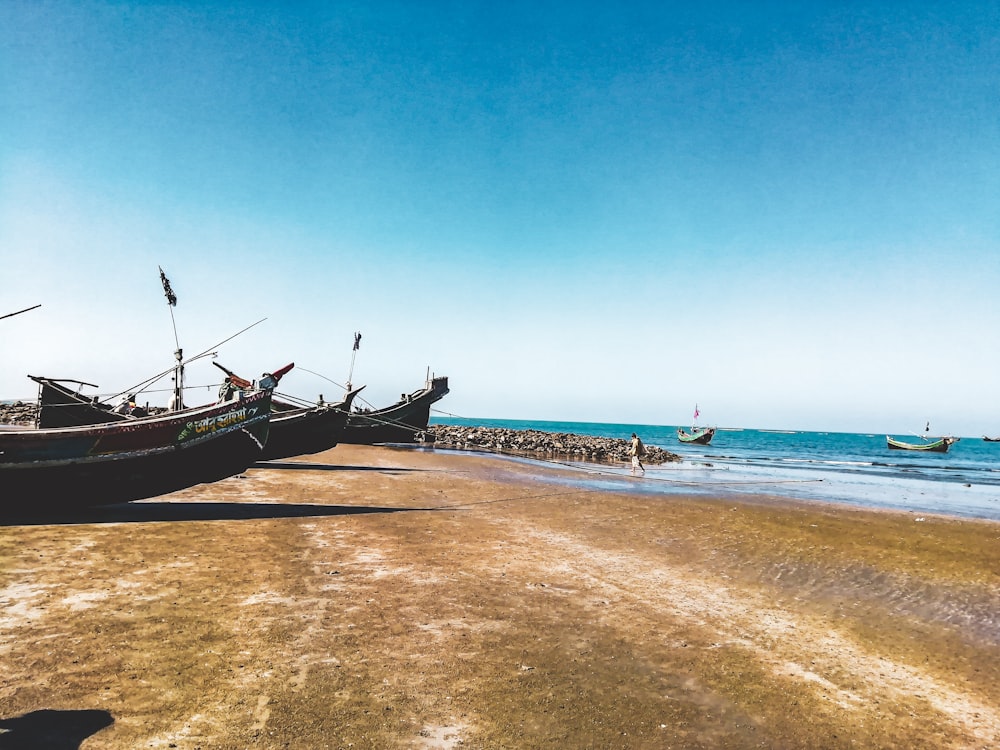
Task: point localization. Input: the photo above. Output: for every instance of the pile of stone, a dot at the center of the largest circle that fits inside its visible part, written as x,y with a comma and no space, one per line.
548,444
18,413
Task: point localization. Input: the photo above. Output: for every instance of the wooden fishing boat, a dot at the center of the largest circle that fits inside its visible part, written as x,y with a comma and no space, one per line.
941,445
132,459
991,439
298,429
87,454
403,422
60,406
698,435
295,429
301,430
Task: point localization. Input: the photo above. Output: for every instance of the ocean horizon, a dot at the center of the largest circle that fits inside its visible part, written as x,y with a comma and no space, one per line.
844,467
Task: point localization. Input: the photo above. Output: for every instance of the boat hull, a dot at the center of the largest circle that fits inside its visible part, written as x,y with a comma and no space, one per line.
699,437
301,431
403,422
935,446
133,459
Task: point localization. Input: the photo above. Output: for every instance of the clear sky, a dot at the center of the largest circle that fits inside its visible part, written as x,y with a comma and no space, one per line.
787,213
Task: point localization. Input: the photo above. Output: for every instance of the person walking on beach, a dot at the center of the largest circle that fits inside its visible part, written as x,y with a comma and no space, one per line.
637,450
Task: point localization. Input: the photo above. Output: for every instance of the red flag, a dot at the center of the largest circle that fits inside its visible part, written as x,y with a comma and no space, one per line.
696,411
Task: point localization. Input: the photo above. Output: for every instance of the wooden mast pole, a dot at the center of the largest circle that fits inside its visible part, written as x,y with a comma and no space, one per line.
177,402
354,353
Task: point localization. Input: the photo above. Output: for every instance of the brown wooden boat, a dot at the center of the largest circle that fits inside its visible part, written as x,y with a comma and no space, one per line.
698,435
403,422
133,458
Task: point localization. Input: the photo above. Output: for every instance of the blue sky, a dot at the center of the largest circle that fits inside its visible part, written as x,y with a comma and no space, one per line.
788,213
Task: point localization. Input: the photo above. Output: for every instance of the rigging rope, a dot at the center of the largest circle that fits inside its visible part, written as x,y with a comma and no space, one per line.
142,386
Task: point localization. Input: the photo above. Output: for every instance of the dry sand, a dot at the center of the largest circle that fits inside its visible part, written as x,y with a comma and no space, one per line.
374,597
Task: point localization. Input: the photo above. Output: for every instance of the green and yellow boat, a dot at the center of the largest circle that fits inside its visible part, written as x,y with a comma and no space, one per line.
698,435
941,445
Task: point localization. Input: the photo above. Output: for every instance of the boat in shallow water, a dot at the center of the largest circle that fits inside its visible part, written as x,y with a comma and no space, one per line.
698,435
941,445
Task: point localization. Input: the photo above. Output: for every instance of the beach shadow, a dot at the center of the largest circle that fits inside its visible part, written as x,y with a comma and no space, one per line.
49,729
303,466
179,511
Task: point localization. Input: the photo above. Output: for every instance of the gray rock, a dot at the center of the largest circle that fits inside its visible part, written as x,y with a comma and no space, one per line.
543,444
18,413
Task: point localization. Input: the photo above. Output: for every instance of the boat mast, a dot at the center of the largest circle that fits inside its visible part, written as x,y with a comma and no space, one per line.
11,315
177,401
354,353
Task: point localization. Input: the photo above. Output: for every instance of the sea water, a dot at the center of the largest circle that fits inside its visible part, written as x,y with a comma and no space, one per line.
853,468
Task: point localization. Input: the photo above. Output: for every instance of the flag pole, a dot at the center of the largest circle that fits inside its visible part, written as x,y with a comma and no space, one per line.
354,353
177,402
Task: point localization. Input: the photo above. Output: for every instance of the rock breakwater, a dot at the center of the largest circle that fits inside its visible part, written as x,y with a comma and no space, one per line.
537,443
18,413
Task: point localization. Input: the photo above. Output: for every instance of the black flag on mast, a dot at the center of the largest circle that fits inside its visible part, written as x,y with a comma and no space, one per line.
357,341
171,297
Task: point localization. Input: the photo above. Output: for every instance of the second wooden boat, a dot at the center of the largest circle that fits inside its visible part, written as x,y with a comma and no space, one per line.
403,422
300,430
941,445
698,435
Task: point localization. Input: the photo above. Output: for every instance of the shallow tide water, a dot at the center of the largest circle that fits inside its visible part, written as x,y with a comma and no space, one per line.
853,468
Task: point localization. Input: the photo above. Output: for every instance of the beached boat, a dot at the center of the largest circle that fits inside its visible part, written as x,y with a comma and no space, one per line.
941,445
132,458
60,406
295,429
298,429
301,430
699,435
82,453
403,422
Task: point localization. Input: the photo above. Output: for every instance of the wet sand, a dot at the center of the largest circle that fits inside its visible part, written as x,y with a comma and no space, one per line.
374,597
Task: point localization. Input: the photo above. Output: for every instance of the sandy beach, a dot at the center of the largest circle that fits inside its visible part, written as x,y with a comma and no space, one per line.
375,597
